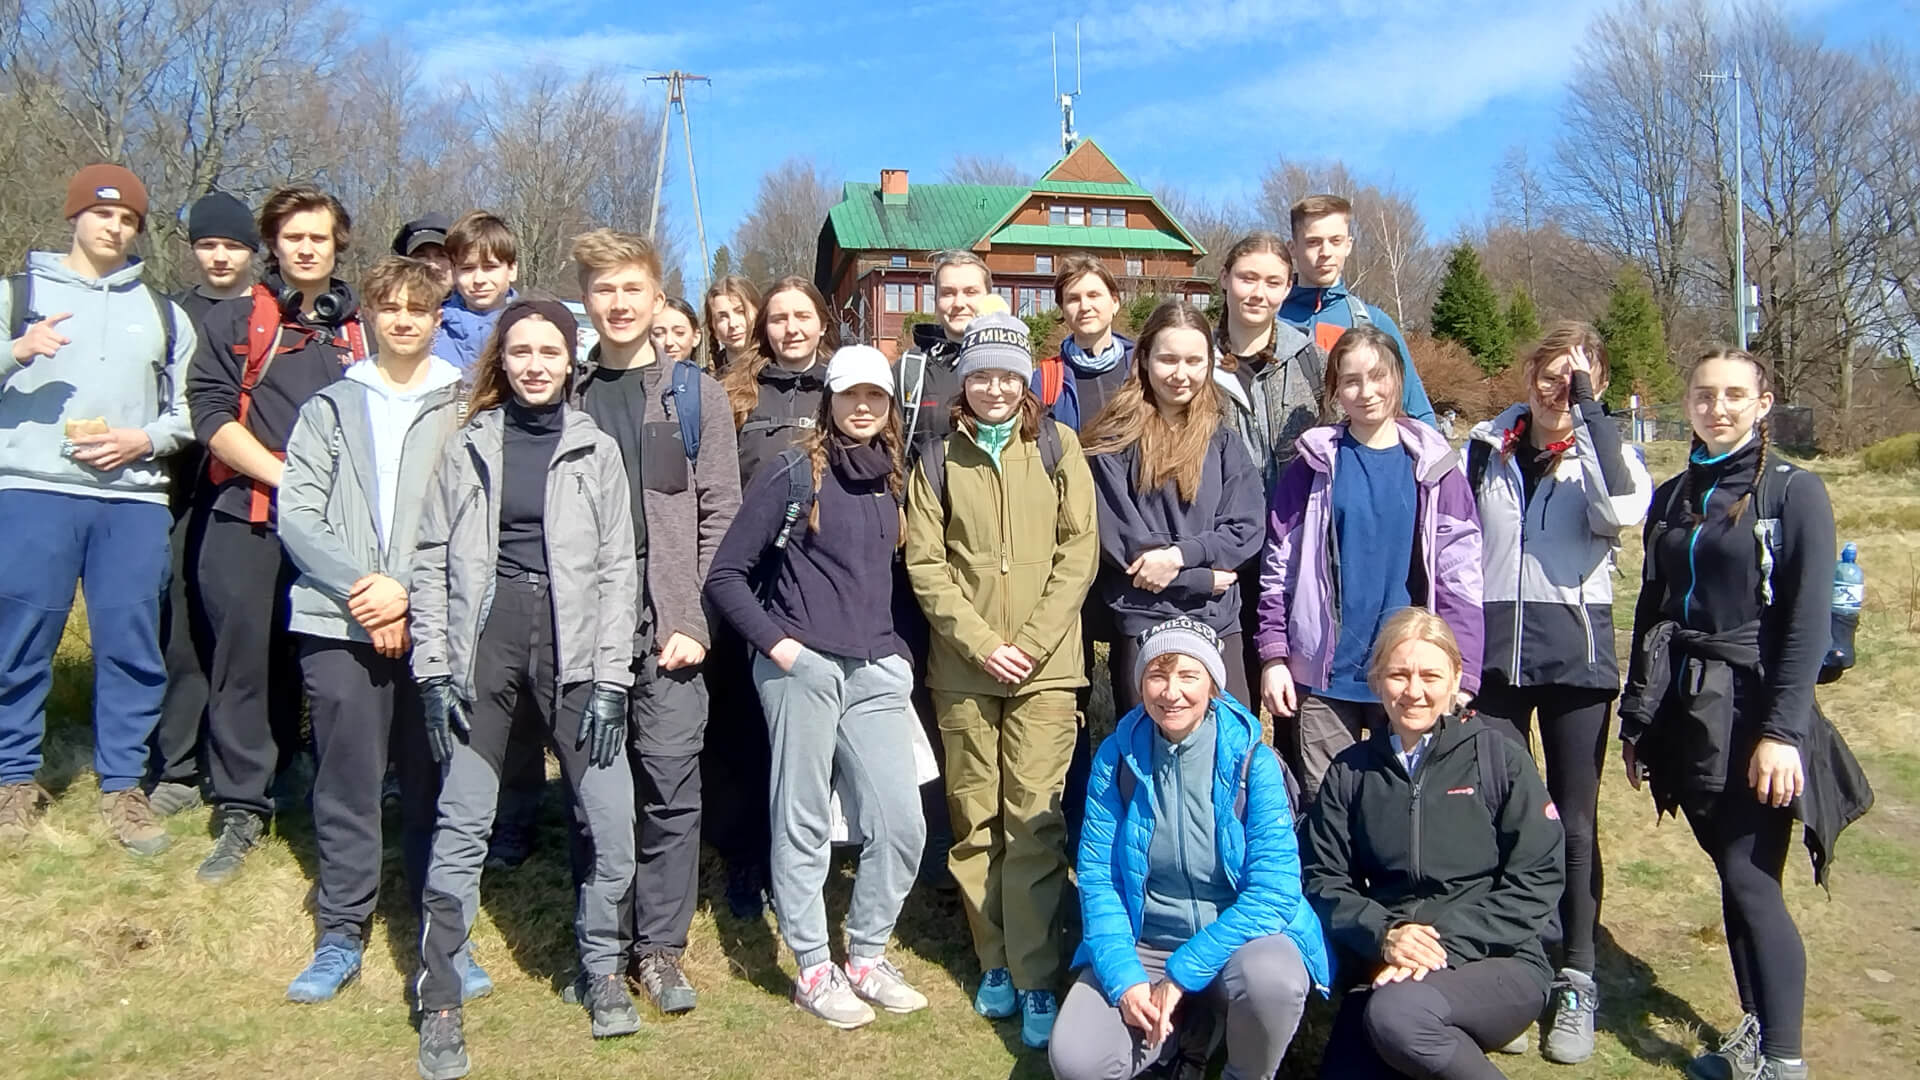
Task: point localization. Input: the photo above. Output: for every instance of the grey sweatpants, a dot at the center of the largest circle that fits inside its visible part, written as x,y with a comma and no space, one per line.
1262,991
829,717
516,658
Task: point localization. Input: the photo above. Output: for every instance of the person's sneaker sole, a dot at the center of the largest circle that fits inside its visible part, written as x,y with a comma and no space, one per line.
218,875
618,1026
148,848
168,798
301,998
677,1001
843,1025
452,1070
1518,1046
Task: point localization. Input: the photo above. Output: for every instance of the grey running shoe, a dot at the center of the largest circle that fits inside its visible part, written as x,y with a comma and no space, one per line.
885,986
1516,1046
832,999
170,798
607,1004
130,819
21,808
239,831
443,1049
1737,1057
1573,1001
664,982
1775,1069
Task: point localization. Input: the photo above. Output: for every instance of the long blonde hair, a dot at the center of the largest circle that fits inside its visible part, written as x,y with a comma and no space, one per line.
1175,451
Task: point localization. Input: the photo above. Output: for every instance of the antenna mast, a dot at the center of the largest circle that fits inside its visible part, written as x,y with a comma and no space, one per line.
1069,138
677,81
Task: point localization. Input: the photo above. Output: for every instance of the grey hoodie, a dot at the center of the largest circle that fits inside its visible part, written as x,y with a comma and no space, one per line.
330,493
594,583
112,370
1284,401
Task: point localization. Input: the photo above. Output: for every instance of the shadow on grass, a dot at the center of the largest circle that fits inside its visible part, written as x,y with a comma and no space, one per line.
1634,1006
750,945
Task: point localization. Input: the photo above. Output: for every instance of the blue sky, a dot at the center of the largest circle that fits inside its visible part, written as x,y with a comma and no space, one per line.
1202,94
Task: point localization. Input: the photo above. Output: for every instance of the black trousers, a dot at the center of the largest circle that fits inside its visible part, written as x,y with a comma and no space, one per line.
1748,843
176,751
1437,1028
736,761
366,712
1573,732
253,679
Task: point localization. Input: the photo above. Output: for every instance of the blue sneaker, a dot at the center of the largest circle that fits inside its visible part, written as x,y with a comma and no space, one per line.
474,981
996,999
1037,1012
335,962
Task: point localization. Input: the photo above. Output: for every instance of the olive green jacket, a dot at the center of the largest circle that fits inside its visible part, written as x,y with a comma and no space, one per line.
1007,559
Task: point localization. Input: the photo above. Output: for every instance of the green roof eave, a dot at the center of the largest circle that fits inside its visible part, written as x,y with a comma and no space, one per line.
1089,187
932,217
1092,236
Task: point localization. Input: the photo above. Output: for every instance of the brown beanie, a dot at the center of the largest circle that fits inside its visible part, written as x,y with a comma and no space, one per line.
106,185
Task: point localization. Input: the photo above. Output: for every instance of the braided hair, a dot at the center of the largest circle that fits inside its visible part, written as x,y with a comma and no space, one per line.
1763,377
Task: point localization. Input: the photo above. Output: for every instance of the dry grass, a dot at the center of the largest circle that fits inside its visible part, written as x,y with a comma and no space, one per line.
112,967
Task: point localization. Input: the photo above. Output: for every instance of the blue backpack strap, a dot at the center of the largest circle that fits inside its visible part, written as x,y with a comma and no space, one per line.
1296,804
686,405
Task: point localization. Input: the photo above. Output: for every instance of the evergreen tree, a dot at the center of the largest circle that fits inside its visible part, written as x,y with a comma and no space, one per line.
1523,319
1467,311
722,262
1636,344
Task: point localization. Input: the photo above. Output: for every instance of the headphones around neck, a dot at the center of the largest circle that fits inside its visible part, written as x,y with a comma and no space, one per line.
329,308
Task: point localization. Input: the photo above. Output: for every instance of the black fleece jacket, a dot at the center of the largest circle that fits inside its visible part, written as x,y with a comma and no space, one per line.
1384,848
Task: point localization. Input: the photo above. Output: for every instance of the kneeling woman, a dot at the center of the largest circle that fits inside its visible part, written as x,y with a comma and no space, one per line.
1189,877
1433,859
524,590
833,680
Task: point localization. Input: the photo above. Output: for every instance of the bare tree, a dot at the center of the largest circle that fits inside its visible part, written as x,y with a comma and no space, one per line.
1520,198
1393,264
1216,225
990,171
781,234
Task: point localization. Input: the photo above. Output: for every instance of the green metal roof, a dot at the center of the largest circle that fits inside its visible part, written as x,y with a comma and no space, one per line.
1088,187
935,216
1090,236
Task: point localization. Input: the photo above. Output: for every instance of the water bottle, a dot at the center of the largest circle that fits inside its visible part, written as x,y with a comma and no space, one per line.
1849,592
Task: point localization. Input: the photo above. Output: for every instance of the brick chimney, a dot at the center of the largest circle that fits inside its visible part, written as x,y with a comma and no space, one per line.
893,187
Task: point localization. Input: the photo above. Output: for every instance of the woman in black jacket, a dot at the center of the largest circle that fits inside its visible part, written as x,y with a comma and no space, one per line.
1728,638
1433,860
1180,500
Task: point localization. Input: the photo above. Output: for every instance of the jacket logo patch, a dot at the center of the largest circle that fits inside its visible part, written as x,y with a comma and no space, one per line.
1468,790
1553,812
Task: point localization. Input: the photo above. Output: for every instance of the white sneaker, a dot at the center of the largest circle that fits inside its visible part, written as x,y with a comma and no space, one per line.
885,986
832,999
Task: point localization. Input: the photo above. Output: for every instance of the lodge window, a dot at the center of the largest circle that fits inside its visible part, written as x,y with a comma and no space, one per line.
898,262
900,297
1043,264
1135,268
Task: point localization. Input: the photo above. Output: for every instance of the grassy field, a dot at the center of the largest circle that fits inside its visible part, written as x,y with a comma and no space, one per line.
113,967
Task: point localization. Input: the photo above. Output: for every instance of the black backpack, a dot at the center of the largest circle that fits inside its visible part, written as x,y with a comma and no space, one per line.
20,315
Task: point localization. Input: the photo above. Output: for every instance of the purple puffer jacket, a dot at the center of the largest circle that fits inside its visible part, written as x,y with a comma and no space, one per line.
1299,616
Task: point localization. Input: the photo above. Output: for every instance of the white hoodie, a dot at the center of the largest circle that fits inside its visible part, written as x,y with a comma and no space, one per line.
390,412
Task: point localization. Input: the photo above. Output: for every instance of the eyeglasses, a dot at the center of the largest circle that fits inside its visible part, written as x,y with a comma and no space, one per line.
995,380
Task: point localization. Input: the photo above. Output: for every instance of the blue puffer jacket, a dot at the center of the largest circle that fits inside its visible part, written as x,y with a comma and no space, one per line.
463,331
1260,857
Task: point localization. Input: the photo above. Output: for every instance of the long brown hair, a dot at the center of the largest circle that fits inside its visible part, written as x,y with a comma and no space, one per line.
1383,345
815,443
1763,427
742,380
739,288
1168,451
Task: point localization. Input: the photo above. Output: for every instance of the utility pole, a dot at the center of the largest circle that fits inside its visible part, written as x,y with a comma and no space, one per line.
1742,309
677,81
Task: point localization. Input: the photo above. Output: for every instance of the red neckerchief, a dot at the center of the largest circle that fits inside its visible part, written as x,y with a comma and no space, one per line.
1510,439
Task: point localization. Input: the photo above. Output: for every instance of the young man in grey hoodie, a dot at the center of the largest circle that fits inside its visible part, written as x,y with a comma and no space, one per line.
92,397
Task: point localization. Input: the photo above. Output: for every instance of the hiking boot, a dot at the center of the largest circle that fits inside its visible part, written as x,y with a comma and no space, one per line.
1037,1011
511,845
238,831
130,819
443,1049
882,984
996,999
831,998
664,982
746,890
1573,1001
22,806
1776,1069
335,962
169,798
607,1003
1736,1058
474,980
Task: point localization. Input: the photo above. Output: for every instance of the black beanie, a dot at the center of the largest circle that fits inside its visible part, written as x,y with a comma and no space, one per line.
220,215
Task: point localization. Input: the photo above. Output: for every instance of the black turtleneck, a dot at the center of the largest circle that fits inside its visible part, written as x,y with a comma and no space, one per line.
531,435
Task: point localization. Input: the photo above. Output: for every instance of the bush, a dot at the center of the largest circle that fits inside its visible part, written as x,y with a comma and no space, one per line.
1453,379
1898,454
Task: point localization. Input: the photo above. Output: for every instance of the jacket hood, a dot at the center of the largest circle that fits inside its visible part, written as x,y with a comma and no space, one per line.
1493,431
931,338
439,374
1288,341
1432,453
782,377
53,267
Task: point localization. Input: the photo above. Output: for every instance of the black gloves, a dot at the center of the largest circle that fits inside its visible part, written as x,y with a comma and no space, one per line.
444,714
603,725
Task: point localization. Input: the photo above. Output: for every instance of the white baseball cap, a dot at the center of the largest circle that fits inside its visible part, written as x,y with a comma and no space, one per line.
857,365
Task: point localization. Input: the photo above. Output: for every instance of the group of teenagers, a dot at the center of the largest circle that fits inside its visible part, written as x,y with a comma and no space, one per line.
741,579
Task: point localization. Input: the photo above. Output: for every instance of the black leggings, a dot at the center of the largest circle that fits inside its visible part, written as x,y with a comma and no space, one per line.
1573,731
1436,1028
1748,843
